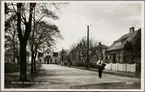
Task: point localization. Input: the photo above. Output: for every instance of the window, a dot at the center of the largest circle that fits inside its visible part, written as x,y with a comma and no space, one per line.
117,43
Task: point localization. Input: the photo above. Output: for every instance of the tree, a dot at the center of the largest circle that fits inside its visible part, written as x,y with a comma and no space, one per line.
18,10
42,10
78,51
24,13
11,39
23,37
44,35
72,53
11,42
63,56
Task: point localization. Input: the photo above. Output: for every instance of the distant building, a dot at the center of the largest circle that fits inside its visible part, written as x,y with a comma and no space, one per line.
98,51
126,49
55,57
101,51
52,58
41,57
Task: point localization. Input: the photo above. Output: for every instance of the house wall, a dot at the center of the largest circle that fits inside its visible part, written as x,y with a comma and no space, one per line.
121,56
101,53
41,59
116,56
104,54
55,59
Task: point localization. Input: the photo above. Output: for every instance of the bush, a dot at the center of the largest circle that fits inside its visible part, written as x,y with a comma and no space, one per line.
93,65
11,67
38,66
80,64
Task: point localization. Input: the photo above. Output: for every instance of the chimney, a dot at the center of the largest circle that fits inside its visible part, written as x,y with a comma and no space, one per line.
131,30
99,43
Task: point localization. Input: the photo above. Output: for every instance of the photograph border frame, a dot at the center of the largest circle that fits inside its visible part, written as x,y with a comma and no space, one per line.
142,50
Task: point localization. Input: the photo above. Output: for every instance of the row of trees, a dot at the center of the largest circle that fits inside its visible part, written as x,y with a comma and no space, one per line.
78,54
26,29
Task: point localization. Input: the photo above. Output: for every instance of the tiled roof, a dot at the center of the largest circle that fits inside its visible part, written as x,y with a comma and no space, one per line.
125,38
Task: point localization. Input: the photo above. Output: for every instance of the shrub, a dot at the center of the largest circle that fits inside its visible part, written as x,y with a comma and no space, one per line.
11,67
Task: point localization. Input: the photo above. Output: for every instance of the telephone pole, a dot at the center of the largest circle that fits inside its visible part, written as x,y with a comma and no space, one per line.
87,61
87,51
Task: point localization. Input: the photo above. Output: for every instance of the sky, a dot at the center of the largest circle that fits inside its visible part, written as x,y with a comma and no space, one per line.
108,21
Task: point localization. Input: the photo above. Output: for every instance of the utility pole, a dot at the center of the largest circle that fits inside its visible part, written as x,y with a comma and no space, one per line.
87,61
87,50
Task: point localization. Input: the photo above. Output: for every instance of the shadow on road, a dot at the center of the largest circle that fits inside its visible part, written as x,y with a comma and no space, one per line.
115,85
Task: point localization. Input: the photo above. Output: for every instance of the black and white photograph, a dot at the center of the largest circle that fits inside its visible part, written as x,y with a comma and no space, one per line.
72,45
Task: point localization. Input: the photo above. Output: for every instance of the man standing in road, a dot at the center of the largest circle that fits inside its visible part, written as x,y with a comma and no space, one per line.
101,66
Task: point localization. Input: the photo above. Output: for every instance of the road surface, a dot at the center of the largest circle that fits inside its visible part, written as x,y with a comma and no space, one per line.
61,77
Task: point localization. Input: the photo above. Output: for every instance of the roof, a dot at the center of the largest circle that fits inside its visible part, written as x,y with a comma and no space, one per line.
99,46
102,46
120,43
128,36
113,47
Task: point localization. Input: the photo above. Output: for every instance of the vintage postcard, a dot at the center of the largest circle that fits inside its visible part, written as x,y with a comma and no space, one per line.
72,45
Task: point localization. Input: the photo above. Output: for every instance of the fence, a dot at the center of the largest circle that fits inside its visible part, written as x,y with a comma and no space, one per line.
121,67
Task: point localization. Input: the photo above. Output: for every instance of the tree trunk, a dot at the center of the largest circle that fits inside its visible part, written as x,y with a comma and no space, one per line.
35,60
34,64
32,61
18,59
23,71
23,39
23,62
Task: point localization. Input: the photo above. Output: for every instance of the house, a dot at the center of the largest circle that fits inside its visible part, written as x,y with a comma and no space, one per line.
96,52
127,49
41,57
55,57
52,58
101,51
